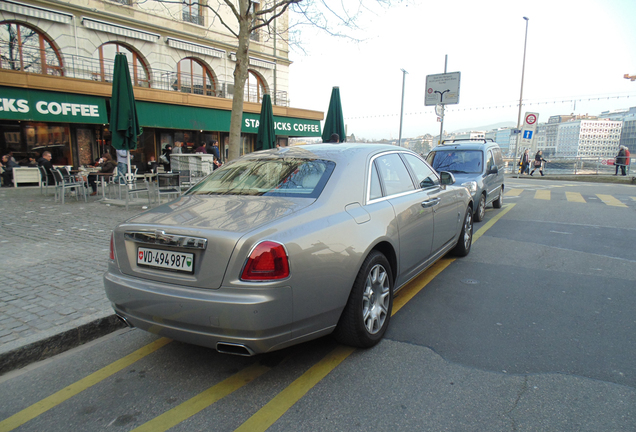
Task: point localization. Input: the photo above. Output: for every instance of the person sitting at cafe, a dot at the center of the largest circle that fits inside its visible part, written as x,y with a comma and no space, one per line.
107,167
45,161
151,165
7,166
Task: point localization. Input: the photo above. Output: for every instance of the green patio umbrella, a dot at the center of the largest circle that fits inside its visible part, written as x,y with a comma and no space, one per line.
334,124
266,136
124,125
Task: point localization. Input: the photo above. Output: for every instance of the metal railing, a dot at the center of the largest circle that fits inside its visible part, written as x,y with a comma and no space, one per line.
29,59
570,165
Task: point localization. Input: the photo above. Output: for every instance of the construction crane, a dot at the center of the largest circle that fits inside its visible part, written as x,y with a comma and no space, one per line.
630,77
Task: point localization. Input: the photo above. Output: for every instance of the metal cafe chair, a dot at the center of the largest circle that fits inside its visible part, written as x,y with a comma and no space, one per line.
168,184
61,186
45,179
132,188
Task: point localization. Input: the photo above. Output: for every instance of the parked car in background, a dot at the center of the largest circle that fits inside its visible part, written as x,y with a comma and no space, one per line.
286,245
477,164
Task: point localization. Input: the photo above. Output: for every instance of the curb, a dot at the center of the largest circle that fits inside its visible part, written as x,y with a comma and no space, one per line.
55,344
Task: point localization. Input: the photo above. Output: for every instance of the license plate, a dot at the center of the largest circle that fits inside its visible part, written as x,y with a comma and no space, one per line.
168,260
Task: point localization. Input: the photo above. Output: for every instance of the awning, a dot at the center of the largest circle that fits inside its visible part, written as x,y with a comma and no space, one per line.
36,105
35,11
208,119
256,62
195,48
117,29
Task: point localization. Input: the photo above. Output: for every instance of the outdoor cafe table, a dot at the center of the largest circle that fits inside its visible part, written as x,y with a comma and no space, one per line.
103,178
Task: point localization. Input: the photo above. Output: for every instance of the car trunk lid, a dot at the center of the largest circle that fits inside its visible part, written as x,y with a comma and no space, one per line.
203,229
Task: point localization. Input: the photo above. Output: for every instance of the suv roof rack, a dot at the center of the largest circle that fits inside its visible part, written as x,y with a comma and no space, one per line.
459,140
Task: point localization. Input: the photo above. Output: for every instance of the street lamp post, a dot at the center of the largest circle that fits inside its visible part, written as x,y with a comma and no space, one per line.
402,109
523,70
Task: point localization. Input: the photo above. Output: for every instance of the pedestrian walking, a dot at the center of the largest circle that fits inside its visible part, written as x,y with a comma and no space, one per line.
524,161
620,160
538,162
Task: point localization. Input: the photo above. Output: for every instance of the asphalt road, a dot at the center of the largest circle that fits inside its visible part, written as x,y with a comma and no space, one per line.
532,331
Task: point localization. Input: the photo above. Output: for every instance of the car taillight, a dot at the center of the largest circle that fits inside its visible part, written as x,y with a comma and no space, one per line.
112,246
268,261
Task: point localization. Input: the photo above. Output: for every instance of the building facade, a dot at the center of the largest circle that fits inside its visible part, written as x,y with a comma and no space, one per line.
56,64
588,138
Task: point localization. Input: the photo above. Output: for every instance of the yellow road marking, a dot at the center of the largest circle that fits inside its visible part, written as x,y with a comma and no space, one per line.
542,194
203,400
68,392
575,197
513,192
282,402
272,411
491,222
610,200
633,198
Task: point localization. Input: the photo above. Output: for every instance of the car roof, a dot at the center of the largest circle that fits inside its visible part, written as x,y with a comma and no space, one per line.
337,152
480,144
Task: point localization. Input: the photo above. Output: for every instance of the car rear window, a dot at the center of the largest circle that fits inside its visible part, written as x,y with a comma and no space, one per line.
292,177
457,161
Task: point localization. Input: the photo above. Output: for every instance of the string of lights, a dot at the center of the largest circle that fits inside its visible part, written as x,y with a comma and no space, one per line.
503,105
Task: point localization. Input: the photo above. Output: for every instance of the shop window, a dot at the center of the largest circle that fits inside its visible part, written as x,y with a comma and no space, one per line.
193,76
254,88
23,48
105,54
193,12
41,137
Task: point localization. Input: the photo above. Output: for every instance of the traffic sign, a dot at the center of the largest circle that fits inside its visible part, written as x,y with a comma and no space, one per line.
528,130
442,89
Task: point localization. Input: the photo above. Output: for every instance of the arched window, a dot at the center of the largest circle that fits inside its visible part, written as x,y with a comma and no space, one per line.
193,76
24,48
106,56
254,88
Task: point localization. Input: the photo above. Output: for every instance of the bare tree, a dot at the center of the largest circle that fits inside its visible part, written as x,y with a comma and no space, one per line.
335,18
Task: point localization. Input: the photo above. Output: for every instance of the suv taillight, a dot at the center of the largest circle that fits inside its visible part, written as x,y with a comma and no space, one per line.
268,261
112,246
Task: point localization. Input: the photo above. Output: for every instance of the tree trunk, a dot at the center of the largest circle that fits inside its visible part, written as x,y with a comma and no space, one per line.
240,76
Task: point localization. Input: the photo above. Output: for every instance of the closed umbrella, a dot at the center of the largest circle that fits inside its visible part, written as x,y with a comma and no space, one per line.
334,124
124,125
266,136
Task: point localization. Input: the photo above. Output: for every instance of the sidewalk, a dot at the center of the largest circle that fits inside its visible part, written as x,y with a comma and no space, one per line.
52,258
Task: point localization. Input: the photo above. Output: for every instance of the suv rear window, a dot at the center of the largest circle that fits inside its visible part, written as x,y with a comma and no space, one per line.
290,177
457,161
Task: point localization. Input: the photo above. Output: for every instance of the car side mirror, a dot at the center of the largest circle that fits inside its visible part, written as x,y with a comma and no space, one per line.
446,178
493,170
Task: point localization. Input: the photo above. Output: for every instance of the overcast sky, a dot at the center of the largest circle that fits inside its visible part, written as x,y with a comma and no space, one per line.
576,50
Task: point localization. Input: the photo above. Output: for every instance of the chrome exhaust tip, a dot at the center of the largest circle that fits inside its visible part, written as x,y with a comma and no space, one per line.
233,348
125,321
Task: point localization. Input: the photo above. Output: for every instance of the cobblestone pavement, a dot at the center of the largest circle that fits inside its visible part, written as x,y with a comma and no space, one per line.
52,258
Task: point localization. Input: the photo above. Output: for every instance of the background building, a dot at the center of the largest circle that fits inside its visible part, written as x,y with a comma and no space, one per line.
56,63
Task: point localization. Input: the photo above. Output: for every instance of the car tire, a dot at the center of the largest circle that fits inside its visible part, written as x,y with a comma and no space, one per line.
465,240
481,209
499,201
367,313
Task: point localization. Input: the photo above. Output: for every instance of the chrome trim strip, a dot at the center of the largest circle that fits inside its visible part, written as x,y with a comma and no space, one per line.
160,238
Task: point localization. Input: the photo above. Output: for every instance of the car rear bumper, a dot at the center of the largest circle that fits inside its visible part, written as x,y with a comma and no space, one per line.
258,318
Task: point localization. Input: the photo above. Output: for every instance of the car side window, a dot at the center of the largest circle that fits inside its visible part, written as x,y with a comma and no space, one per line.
489,160
393,174
498,156
375,190
424,175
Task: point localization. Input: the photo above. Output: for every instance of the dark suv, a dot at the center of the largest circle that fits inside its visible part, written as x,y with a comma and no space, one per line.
476,164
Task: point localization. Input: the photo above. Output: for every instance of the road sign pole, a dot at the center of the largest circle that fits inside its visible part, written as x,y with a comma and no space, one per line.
441,127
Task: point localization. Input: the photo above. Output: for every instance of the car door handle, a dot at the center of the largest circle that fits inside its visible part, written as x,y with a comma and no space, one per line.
430,203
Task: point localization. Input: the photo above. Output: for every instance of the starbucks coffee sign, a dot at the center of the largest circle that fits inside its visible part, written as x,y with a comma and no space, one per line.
34,105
